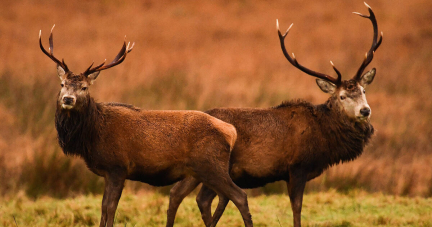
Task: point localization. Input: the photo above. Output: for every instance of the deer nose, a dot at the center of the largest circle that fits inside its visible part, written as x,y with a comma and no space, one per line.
68,100
365,111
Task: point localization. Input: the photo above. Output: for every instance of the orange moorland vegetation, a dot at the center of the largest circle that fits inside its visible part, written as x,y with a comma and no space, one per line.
205,54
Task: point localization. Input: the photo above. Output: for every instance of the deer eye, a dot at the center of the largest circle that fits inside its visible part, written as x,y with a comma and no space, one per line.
342,97
62,85
364,91
84,88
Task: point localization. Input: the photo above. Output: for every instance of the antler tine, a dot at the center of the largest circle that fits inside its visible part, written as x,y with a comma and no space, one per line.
90,67
51,48
130,49
117,60
294,62
375,42
50,54
121,53
339,79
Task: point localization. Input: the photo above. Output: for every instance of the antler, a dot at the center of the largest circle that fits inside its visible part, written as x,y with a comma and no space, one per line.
294,62
375,43
51,49
117,60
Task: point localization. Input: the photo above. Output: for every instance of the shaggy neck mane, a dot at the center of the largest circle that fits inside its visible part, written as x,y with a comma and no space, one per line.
78,129
346,137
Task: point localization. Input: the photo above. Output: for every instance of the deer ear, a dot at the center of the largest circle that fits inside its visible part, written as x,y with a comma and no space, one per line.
61,72
367,78
92,77
326,86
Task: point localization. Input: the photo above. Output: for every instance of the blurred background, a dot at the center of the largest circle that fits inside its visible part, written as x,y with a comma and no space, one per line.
205,54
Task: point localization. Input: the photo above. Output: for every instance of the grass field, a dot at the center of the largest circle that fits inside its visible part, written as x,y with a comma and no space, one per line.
199,55
355,208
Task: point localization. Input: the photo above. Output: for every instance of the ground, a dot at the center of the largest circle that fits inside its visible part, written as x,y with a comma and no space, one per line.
355,208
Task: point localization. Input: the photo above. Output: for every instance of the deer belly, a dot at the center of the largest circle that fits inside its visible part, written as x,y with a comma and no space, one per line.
250,179
156,176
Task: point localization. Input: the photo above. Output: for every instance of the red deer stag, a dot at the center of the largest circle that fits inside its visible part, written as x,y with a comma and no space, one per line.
296,141
120,141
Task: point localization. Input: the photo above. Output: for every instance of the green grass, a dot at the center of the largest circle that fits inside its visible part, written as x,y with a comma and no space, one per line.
355,208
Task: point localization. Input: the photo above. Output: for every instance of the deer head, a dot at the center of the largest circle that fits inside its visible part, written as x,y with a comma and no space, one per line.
349,95
74,92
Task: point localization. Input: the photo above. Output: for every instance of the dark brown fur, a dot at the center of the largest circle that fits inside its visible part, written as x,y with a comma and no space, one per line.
293,134
294,142
117,135
119,141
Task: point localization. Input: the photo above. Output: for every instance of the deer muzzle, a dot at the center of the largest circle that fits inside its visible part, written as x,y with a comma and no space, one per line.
365,112
68,102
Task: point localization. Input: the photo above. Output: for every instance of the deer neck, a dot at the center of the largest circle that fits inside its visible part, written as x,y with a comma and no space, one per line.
346,138
77,130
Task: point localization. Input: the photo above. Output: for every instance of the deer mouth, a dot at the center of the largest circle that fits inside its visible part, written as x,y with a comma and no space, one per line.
67,106
362,118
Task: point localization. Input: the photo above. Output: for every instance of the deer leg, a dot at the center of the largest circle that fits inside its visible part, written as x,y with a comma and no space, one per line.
113,190
227,188
104,206
222,184
204,200
223,202
177,194
296,186
211,167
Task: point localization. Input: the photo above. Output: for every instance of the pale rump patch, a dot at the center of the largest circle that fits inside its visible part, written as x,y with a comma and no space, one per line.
228,130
